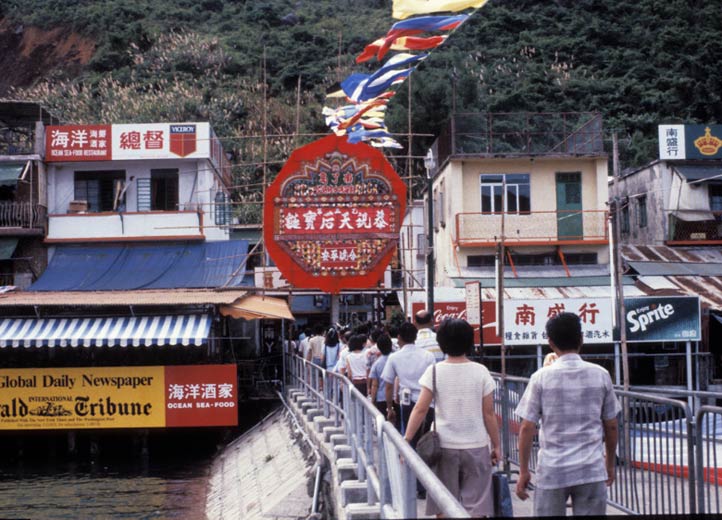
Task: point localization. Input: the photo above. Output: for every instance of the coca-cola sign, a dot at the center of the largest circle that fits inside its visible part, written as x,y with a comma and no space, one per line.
443,310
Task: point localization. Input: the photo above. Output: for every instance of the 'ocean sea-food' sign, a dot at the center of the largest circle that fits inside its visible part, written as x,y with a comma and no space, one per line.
118,397
332,216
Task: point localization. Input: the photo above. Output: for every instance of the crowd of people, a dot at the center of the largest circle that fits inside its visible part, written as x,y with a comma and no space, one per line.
416,376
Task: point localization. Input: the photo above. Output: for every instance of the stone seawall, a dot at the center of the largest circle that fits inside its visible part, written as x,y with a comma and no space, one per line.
267,473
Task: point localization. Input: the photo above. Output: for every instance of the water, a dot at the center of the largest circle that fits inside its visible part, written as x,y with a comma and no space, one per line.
39,480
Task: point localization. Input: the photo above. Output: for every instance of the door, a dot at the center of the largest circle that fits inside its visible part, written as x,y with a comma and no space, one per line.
569,206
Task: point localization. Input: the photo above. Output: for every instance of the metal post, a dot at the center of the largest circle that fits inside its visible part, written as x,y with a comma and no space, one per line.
617,366
335,309
688,355
284,347
539,357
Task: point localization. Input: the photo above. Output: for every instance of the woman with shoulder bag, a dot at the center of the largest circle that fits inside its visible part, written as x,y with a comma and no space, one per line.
470,445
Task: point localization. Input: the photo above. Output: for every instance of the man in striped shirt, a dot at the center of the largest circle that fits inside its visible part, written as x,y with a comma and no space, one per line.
577,408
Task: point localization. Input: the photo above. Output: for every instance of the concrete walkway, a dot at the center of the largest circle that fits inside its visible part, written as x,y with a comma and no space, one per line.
262,475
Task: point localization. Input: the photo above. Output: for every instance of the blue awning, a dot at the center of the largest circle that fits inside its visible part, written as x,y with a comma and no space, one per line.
144,266
192,329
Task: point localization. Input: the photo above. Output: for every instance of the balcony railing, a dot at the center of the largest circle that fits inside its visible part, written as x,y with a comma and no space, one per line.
25,215
151,225
532,228
521,134
694,227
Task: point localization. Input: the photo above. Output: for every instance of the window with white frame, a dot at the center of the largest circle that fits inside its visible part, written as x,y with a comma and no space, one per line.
516,198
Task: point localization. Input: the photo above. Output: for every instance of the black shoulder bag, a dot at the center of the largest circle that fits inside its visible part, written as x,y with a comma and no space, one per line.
429,445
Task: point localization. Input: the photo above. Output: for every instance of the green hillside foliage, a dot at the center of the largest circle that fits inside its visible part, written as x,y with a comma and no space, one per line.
638,62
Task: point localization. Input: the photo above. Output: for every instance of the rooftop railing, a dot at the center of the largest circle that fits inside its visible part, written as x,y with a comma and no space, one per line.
521,134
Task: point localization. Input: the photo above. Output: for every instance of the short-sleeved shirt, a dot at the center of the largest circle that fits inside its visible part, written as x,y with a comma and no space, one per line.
426,339
316,344
460,389
341,363
571,398
408,364
376,370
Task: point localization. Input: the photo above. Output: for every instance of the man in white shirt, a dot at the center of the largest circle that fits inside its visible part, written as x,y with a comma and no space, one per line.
426,337
575,402
408,364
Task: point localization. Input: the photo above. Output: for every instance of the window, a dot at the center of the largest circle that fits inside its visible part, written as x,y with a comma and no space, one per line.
642,211
517,198
100,189
440,207
223,210
480,260
715,197
164,190
624,224
543,259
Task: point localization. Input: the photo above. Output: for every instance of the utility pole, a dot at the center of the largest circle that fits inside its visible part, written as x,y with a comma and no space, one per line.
500,275
430,164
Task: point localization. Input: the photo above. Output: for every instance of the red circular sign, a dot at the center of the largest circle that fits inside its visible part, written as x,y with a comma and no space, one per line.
332,217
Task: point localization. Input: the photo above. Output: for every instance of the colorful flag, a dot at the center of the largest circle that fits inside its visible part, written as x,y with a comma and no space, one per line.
405,8
431,23
398,42
363,87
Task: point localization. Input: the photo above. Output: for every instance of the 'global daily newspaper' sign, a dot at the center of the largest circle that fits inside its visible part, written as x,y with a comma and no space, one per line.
118,397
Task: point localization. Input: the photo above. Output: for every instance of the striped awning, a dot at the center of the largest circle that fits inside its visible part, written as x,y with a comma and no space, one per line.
192,329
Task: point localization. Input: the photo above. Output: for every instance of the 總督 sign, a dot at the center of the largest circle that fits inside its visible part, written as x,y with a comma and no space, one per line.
662,318
118,397
332,216
525,320
70,143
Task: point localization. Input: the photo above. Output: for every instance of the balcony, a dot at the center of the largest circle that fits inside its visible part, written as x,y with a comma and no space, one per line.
691,227
533,228
22,218
114,226
521,134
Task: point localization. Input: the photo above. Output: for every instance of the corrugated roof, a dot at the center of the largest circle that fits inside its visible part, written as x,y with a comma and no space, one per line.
529,293
687,271
708,288
110,298
637,253
699,172
676,269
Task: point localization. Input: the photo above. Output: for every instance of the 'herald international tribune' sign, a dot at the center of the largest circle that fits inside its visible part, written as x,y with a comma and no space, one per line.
525,320
118,397
332,216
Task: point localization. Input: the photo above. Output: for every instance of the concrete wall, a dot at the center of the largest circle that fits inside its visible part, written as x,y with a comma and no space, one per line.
462,194
197,186
653,181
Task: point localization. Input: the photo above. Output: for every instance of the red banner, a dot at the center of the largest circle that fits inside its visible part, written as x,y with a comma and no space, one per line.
332,216
201,395
443,310
78,143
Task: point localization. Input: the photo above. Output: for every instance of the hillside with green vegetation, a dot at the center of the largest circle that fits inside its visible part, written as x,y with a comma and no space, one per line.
638,62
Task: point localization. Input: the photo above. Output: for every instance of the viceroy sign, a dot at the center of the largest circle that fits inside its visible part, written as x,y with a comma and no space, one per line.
332,216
